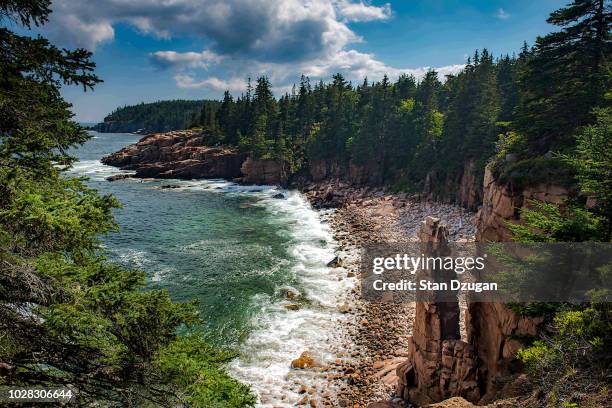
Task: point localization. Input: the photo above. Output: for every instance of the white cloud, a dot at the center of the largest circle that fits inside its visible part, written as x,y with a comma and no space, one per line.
88,34
244,38
502,14
354,65
167,59
216,84
279,30
362,12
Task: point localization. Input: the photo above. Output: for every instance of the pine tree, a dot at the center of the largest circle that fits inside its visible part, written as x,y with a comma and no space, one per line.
566,75
68,317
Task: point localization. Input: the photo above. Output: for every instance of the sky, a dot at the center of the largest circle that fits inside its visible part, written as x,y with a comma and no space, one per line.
148,50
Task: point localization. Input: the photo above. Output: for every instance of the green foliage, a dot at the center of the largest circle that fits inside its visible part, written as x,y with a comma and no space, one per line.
592,162
574,354
67,316
532,171
543,222
407,105
195,365
161,116
565,75
533,309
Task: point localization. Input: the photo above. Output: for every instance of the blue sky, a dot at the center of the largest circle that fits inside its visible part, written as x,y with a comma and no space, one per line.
149,50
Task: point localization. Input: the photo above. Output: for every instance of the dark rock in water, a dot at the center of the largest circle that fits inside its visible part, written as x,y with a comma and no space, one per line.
335,263
279,195
289,294
118,177
166,186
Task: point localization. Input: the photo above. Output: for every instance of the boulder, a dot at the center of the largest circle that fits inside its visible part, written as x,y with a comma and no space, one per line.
335,263
116,177
305,360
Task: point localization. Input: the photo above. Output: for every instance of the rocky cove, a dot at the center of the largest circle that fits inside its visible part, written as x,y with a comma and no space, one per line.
397,354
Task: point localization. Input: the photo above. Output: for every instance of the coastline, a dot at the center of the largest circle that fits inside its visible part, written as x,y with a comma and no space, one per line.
366,341
375,334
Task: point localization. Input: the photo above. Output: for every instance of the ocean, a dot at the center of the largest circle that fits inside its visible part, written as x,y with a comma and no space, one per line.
237,250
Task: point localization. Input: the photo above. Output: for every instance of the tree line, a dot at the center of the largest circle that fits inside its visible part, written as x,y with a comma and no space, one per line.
160,116
516,110
68,317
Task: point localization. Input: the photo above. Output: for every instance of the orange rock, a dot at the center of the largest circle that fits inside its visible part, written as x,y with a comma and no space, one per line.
304,361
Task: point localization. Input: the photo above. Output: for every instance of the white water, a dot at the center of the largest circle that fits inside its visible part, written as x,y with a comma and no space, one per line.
280,335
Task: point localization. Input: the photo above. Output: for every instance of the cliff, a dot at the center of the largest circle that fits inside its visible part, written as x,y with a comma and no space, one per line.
501,204
483,367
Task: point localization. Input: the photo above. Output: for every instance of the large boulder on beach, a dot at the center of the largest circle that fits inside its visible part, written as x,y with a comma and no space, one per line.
305,360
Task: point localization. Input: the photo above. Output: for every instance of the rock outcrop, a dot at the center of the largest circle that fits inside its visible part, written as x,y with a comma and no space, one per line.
440,365
470,187
178,154
493,329
263,172
185,154
501,204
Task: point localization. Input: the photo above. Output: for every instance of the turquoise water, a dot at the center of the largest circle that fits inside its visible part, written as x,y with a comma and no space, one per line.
236,250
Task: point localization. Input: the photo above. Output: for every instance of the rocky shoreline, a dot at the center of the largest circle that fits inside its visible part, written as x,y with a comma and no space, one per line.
376,334
191,154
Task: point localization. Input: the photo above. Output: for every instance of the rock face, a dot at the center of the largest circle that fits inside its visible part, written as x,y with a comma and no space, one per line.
501,205
184,155
470,188
465,190
178,154
494,330
263,172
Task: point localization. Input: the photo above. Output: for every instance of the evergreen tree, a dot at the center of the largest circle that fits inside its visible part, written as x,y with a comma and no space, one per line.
69,318
566,75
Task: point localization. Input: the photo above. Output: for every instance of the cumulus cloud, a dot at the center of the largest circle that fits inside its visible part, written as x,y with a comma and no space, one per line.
85,33
502,14
220,85
281,30
362,12
244,38
173,59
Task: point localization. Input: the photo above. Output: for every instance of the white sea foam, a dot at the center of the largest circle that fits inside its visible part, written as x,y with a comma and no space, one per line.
282,335
279,335
95,170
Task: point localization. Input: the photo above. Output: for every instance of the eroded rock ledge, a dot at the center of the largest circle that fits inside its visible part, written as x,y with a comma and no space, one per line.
185,154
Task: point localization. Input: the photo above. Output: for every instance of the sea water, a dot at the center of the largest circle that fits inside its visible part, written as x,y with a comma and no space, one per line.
237,250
